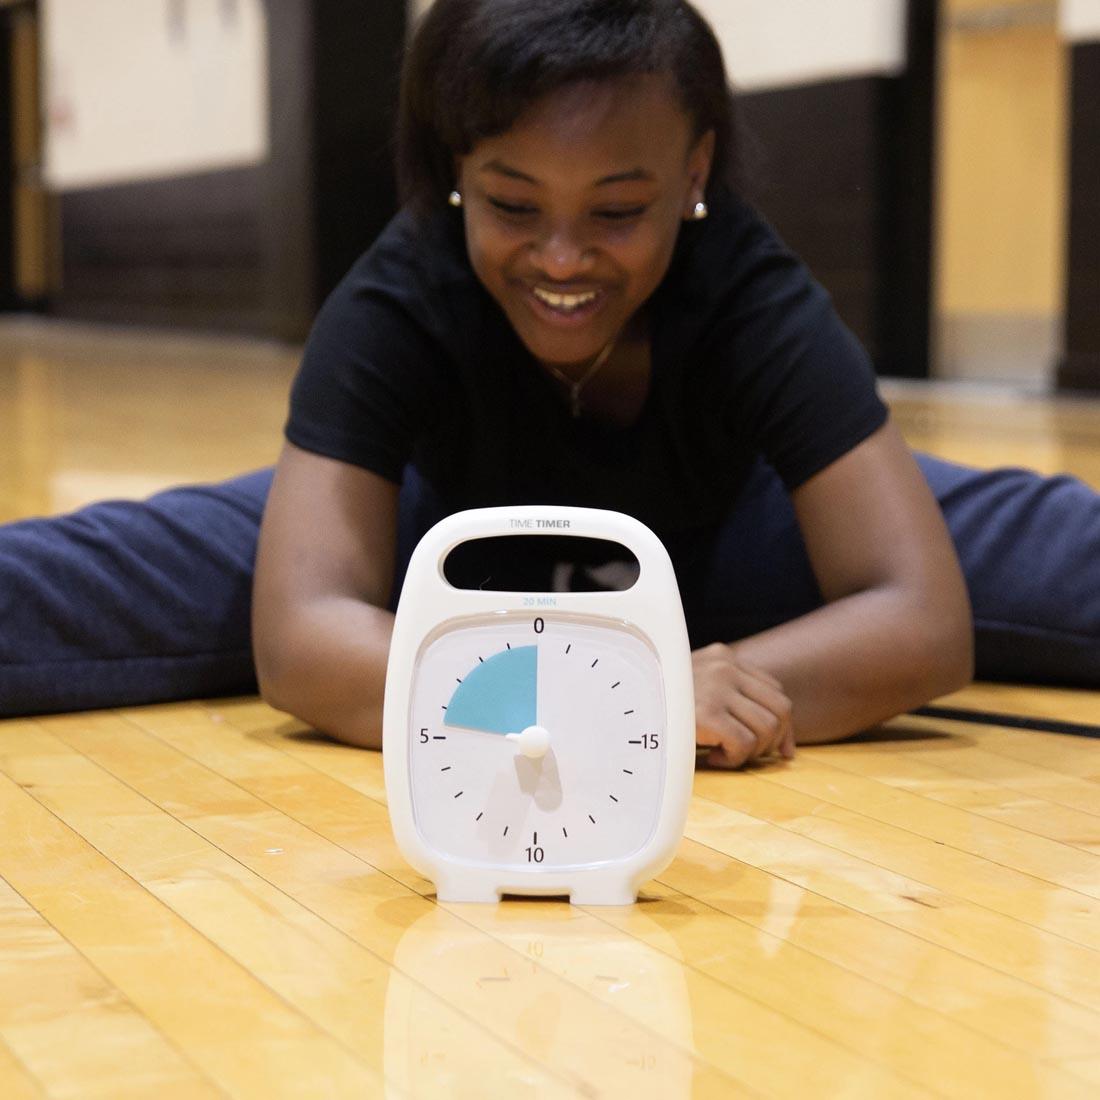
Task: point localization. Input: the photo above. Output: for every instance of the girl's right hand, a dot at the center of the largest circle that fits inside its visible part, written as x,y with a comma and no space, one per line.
741,712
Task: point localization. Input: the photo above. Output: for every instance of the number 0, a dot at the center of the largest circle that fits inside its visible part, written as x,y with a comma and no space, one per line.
540,626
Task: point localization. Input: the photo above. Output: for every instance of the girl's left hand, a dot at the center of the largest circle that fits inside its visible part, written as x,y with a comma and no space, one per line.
741,712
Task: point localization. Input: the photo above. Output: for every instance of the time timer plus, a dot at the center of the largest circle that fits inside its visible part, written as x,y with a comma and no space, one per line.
539,743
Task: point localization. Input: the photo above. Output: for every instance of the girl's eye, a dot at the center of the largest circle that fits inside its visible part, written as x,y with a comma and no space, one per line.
513,210
520,210
626,215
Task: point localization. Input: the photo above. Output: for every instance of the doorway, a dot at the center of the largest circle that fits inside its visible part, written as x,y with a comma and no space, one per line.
1000,192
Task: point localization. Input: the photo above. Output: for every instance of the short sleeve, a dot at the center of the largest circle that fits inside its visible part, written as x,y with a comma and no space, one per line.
805,391
373,376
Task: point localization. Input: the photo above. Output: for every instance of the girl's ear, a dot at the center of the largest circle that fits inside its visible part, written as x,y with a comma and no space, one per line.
700,162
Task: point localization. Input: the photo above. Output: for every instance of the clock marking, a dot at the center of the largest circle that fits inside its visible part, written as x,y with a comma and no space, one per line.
506,692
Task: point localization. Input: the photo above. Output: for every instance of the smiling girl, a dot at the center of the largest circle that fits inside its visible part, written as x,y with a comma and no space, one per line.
575,306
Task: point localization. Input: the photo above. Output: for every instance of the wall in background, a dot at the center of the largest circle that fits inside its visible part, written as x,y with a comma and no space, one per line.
1080,19
154,89
777,43
837,101
272,176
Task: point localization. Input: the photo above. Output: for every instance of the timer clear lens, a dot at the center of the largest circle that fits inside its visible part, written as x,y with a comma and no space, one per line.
585,788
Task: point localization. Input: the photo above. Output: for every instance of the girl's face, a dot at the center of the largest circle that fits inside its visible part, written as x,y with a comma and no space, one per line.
572,215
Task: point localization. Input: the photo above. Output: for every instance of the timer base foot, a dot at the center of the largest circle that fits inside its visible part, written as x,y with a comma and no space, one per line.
604,895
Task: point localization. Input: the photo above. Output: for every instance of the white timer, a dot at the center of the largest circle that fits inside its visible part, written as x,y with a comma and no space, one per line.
539,742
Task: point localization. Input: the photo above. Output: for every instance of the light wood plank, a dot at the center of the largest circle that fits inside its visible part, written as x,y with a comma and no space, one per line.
811,843
16,1082
974,794
1057,704
1087,1069
925,1047
1072,756
957,748
887,827
999,1005
239,1033
72,1029
895,830
999,427
90,413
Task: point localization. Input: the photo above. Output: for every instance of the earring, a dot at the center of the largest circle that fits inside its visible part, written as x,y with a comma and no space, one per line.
455,199
701,211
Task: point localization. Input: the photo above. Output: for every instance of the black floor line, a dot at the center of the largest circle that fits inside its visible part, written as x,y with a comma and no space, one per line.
1016,721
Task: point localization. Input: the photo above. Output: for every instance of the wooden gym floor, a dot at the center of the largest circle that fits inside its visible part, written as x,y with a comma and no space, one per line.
204,899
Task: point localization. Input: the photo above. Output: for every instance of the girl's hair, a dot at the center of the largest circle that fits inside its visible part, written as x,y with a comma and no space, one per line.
474,66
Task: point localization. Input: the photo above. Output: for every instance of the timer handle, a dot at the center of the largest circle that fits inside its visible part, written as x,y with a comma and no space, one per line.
655,569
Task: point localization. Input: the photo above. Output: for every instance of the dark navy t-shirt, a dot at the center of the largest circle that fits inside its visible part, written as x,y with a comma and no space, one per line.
411,360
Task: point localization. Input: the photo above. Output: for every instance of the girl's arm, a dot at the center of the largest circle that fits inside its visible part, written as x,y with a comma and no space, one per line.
896,629
324,571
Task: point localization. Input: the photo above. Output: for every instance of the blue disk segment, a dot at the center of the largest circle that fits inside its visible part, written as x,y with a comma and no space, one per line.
500,695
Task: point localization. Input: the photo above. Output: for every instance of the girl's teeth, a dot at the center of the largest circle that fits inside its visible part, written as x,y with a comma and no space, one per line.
564,302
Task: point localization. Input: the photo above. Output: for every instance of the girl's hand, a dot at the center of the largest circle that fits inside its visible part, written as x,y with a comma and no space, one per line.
741,712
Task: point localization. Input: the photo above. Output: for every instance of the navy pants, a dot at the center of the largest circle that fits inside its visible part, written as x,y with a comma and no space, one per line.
125,603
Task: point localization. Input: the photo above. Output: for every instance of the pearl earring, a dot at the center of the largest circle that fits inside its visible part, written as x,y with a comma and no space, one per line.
455,199
701,211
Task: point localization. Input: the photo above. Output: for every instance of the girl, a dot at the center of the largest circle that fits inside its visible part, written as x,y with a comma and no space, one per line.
575,306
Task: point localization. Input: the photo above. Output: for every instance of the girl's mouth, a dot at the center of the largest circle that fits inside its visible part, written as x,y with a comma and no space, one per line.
565,308
566,303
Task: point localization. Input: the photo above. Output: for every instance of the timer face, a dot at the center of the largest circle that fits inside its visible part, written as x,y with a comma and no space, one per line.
536,740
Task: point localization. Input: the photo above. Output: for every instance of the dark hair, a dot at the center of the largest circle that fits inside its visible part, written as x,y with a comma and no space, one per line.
474,66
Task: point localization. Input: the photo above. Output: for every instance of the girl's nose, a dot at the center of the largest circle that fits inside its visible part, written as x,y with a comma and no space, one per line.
561,255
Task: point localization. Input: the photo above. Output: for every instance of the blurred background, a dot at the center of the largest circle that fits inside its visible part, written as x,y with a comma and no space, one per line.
182,182
216,165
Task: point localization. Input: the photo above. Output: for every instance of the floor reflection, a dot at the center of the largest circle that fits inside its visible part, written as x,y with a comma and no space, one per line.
586,1008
